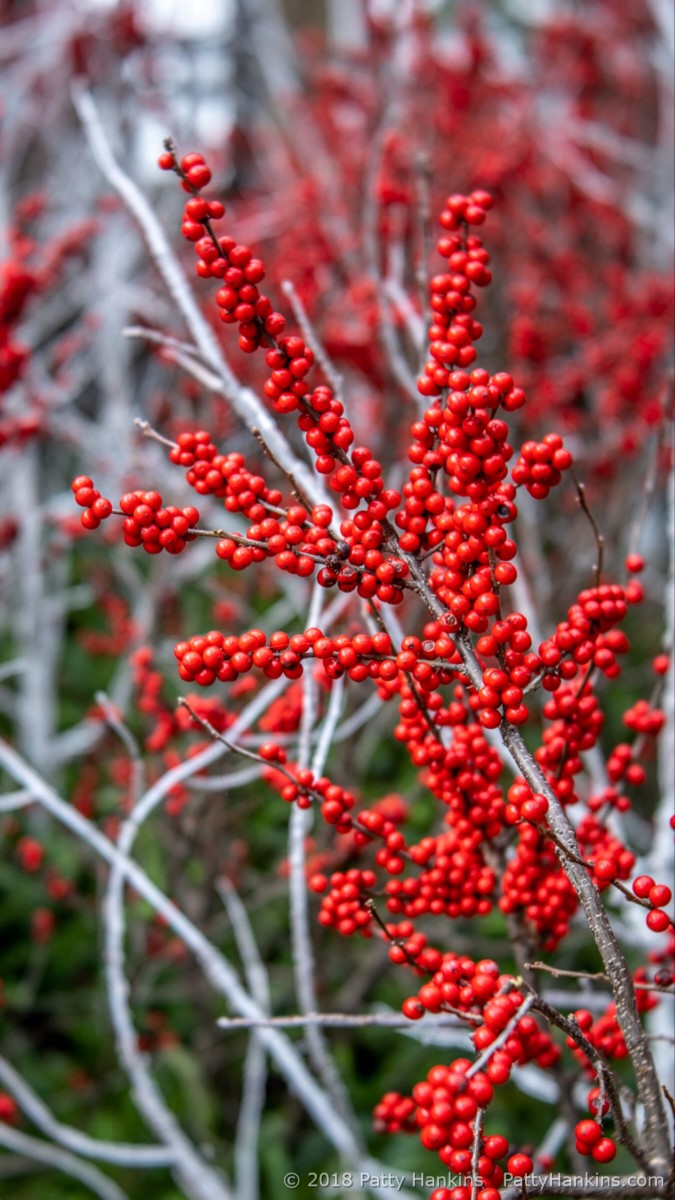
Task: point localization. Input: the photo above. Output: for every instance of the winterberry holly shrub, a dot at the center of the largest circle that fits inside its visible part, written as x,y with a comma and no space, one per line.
372,492
463,664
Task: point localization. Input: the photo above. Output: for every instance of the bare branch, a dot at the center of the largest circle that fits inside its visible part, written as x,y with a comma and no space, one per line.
62,1160
118,1153
244,402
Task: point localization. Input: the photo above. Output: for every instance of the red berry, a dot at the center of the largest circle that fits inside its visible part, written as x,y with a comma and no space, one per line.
658,921
642,886
659,895
588,1132
604,1151
519,1165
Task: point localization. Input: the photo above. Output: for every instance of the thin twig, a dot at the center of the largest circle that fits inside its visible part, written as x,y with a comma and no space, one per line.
247,1140
475,1150
312,339
342,1021
36,1150
606,1076
600,975
599,539
304,972
245,403
119,1153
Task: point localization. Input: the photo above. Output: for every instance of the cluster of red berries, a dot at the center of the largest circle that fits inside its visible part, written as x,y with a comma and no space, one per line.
121,630
96,507
321,415
285,713
353,476
192,168
193,447
524,804
445,1105
344,907
611,860
621,766
296,538
155,528
453,330
17,283
502,694
590,1141
535,885
455,883
608,798
239,299
227,477
657,895
148,682
604,1034
290,361
409,947
541,464
303,789
588,636
643,718
576,722
203,659
146,523
395,1114
464,777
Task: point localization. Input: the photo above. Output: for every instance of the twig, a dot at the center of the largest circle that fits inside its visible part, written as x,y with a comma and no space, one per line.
341,1021
234,748
246,1145
606,1077
475,1150
599,539
244,401
216,968
120,1153
196,1177
614,961
312,339
162,339
295,486
152,434
649,485
304,973
15,800
62,1160
558,971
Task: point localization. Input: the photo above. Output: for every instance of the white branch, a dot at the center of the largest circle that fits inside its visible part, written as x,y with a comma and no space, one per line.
215,967
15,800
197,1178
120,1153
245,403
246,1146
62,1160
299,826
